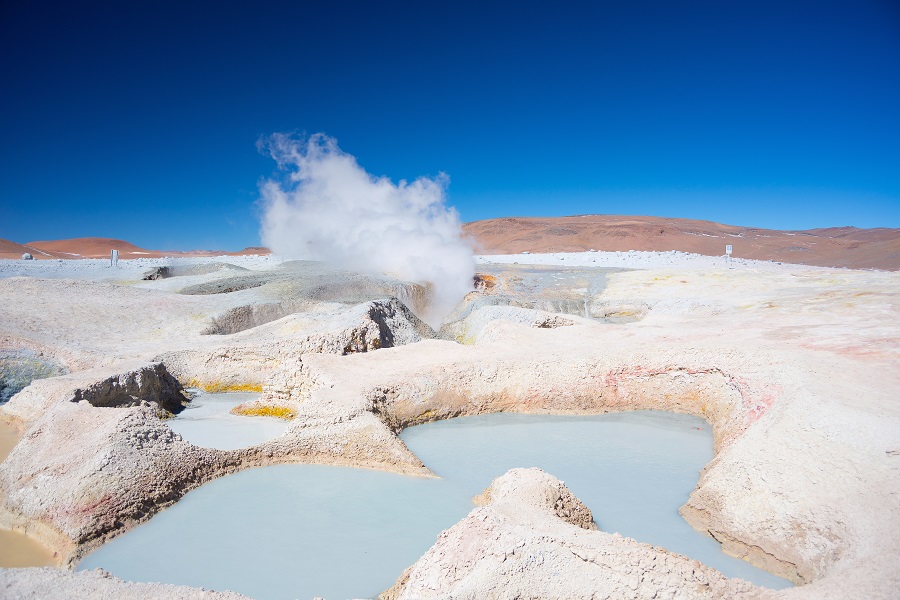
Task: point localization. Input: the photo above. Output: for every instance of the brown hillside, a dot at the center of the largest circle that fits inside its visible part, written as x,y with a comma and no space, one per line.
94,247
10,249
831,247
90,247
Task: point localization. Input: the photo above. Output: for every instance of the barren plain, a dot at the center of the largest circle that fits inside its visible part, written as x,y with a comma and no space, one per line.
794,366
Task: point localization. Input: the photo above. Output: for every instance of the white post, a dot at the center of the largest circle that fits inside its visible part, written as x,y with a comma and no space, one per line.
114,258
728,254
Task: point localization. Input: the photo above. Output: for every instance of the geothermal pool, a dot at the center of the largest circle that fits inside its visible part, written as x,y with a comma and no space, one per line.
298,531
207,422
9,437
17,549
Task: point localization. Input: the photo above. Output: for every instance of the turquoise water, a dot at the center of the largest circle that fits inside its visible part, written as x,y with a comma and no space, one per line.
298,531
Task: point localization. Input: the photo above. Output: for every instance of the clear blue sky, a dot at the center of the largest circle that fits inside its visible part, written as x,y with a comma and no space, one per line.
140,119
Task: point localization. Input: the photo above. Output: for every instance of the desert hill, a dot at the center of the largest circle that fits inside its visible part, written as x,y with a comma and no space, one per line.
831,247
10,249
97,247
90,247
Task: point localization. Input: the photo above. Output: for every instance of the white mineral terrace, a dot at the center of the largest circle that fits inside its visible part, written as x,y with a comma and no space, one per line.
793,369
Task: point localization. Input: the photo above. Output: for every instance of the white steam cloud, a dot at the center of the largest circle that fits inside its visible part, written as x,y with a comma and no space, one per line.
329,208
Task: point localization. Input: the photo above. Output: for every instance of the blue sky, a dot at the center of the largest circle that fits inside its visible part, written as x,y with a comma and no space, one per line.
140,119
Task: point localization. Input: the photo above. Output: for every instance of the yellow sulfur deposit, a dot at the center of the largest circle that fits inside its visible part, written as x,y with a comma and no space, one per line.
281,412
217,387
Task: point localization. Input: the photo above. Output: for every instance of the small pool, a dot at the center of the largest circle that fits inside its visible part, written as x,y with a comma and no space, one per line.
298,531
207,422
17,549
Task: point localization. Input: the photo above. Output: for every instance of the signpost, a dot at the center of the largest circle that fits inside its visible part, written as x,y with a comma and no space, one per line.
728,254
114,258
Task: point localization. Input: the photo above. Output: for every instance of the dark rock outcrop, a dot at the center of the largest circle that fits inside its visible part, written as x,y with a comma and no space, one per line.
152,383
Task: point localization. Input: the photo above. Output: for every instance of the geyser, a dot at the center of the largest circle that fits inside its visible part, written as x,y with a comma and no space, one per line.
327,207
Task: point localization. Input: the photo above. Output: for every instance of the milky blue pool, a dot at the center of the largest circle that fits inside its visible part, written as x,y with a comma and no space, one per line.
208,422
298,531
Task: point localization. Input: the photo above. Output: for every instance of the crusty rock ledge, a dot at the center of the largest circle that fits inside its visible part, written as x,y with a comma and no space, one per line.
39,584
533,539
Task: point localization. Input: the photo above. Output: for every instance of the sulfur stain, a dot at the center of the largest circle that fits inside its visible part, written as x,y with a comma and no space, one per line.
217,387
428,415
280,412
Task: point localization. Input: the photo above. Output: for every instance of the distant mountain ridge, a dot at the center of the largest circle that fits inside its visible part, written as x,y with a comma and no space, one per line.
90,247
851,247
97,247
831,247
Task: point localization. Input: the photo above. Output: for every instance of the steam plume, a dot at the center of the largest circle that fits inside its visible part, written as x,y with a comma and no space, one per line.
329,208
